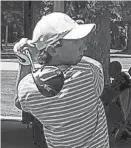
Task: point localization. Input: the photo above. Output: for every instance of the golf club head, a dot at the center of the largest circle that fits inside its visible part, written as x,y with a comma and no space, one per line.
49,80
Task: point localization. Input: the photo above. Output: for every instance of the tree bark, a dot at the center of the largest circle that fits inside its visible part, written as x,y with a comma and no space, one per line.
129,38
28,11
6,36
99,43
58,6
126,15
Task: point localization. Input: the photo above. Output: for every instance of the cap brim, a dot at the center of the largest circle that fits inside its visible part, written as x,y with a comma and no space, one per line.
80,31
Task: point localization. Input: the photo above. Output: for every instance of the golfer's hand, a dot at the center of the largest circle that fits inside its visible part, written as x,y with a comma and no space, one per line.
19,50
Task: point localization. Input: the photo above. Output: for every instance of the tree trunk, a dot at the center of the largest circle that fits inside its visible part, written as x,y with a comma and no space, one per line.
33,14
99,43
58,6
129,38
28,12
126,15
6,35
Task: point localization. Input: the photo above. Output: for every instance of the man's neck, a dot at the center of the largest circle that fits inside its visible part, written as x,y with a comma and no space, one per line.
60,65
56,62
63,67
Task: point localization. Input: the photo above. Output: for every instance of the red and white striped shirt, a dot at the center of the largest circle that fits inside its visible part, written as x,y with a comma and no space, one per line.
74,118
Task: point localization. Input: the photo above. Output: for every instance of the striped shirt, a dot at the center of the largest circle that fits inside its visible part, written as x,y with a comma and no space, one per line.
75,117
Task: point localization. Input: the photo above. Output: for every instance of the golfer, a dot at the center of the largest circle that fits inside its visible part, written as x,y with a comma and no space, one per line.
75,117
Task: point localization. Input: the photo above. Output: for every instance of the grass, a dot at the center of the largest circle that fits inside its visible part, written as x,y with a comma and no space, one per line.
8,80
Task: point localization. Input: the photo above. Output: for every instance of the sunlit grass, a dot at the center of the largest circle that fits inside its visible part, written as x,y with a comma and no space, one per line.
8,80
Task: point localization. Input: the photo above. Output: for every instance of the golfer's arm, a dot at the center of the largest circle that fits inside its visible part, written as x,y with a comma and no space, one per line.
22,72
97,71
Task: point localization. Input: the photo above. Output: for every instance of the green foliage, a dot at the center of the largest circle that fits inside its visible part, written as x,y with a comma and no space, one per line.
12,11
48,7
93,11
12,16
90,10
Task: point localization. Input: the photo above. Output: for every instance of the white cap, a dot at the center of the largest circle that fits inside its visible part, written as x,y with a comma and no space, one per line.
55,26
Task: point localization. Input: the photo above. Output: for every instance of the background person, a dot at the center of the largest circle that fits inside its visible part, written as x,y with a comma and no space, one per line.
120,82
121,79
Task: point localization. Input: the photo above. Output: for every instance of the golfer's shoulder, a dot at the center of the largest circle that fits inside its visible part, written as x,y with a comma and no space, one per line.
91,62
28,79
27,85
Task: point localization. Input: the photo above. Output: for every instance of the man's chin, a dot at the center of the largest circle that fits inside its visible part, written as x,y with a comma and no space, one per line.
75,63
80,59
72,62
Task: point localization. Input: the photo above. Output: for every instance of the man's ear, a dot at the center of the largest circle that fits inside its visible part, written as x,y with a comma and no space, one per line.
51,50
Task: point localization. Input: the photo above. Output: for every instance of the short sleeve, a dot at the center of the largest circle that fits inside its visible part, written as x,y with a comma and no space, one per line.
26,89
31,100
98,77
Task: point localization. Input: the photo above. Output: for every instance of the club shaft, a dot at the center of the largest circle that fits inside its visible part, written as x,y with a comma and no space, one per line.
30,58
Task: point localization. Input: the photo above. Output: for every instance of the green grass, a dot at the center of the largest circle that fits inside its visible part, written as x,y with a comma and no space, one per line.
8,80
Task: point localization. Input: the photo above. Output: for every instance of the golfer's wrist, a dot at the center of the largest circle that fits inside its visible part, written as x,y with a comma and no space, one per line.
24,70
25,64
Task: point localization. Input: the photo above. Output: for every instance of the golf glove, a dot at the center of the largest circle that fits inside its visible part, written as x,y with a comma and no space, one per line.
19,50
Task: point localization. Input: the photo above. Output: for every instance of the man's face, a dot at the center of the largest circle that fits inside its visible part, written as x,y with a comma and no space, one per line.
71,51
